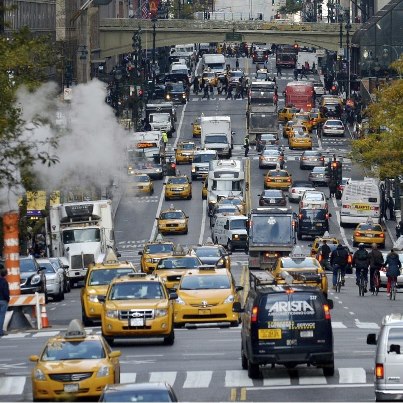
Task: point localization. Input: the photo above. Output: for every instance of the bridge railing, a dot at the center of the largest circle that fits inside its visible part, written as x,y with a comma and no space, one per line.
238,26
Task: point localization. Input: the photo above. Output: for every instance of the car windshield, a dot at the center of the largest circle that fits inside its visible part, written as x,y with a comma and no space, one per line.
59,350
136,395
272,193
261,76
333,123
237,224
136,290
313,196
235,202
187,146
311,154
267,229
270,153
27,265
302,185
319,170
187,262
199,158
268,137
278,173
81,235
208,252
159,248
215,282
48,266
172,215
176,87
142,178
313,214
105,276
297,263
160,117
178,180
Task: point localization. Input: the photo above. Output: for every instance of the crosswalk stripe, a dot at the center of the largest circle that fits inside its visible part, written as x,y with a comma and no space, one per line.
237,378
198,379
278,378
338,325
352,375
127,377
12,385
168,376
46,334
308,376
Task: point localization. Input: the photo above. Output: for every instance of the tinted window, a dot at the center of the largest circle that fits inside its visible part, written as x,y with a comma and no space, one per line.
179,263
136,290
216,282
103,277
72,350
159,248
313,214
395,336
27,265
203,158
270,230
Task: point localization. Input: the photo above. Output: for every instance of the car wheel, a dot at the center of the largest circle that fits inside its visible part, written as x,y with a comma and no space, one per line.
329,369
61,295
170,339
86,320
244,360
186,231
46,297
71,283
253,370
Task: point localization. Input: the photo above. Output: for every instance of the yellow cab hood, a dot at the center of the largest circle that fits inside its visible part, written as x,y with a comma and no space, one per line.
213,297
140,304
72,366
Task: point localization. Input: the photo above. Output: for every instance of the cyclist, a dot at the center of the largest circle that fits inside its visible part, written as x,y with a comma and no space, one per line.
393,266
361,263
324,252
375,264
339,261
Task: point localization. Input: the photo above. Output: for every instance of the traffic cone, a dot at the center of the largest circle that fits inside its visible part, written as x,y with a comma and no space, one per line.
44,317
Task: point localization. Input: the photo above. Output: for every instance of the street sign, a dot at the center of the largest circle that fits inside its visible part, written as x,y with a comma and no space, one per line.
67,94
233,37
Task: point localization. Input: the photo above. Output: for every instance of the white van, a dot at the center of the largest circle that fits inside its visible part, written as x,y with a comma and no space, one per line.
179,68
360,200
231,231
388,358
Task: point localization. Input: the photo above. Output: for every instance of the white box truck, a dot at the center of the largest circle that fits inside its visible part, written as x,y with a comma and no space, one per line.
216,135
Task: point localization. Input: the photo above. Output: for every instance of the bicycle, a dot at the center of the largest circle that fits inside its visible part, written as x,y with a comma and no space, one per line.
376,282
393,288
339,281
362,284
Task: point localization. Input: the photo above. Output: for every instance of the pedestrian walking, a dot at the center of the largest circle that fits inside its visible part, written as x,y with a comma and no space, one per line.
391,207
206,93
279,71
296,74
164,138
229,92
4,297
332,187
237,63
399,228
246,145
303,72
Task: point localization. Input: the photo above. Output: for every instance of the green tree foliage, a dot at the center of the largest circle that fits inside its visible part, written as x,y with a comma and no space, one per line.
25,60
291,7
383,148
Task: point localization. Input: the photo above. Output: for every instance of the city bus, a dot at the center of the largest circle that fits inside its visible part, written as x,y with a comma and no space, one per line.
300,94
361,200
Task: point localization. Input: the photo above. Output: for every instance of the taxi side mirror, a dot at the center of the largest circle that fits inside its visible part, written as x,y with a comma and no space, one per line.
236,307
115,354
101,298
140,253
173,295
238,288
310,245
34,358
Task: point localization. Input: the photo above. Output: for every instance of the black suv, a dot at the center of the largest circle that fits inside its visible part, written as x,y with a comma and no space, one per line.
33,277
286,325
176,92
312,222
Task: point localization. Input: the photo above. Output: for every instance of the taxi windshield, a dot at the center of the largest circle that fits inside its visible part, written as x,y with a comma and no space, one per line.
136,290
178,180
199,158
187,262
172,215
61,350
142,178
105,276
187,146
278,173
206,252
215,282
160,248
299,263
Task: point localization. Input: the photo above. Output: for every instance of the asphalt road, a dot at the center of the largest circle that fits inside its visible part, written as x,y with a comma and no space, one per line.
204,363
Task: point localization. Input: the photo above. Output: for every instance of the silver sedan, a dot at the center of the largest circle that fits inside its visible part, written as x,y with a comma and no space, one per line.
54,279
333,127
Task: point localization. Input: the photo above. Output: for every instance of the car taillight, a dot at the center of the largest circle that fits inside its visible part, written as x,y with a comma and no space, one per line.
326,311
357,233
322,158
304,158
349,259
289,291
379,371
288,180
382,235
253,318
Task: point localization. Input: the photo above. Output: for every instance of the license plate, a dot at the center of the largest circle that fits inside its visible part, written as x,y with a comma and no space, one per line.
265,334
369,235
203,312
306,333
319,224
272,201
136,322
71,387
278,180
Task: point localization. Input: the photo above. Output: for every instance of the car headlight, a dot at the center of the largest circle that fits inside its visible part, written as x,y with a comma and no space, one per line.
149,260
39,375
193,169
161,312
103,371
168,96
93,298
112,313
36,279
158,170
235,236
180,301
229,299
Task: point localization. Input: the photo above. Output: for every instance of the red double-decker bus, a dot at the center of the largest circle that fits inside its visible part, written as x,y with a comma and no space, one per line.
300,94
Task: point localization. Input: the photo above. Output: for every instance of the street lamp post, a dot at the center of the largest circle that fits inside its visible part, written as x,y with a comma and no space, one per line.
348,28
154,20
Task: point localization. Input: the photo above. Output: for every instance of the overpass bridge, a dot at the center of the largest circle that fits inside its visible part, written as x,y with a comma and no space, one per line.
116,33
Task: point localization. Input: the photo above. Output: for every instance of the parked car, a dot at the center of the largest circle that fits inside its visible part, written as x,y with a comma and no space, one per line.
54,279
59,265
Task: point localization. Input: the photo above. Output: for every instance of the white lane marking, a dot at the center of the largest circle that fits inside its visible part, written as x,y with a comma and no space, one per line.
279,377
15,335
127,377
338,325
163,377
237,378
342,232
198,379
352,375
366,325
180,126
311,377
203,223
46,334
12,385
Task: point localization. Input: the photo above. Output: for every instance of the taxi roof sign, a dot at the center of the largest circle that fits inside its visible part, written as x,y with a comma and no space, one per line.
297,252
75,330
110,257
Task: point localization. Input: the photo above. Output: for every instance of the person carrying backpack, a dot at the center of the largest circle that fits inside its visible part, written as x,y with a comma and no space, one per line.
393,266
361,263
339,261
375,264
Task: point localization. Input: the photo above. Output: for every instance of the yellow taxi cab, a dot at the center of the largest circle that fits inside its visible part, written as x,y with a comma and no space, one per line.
368,233
209,77
206,295
235,201
316,118
73,366
318,242
171,268
178,187
300,140
212,254
304,119
204,190
287,128
330,100
184,152
172,221
287,113
138,306
142,184
302,268
277,179
196,128
98,277
153,252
